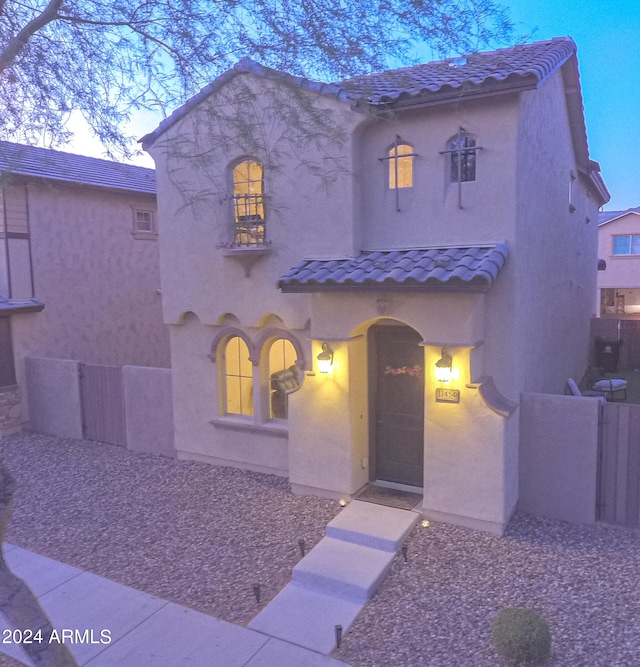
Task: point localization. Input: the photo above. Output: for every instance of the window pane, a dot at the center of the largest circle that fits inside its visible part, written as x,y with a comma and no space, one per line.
635,244
232,356
233,396
144,221
246,396
403,166
238,372
248,203
463,162
283,376
621,245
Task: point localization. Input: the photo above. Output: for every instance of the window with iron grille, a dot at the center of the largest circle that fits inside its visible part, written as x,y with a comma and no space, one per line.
462,152
248,204
400,160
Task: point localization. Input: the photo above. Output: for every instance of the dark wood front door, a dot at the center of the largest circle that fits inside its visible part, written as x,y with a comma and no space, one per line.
397,405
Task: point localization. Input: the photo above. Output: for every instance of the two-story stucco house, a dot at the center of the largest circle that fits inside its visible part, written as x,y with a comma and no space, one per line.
619,247
362,277
79,268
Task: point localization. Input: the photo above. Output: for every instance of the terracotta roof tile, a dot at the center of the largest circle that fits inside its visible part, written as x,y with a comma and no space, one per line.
429,269
536,61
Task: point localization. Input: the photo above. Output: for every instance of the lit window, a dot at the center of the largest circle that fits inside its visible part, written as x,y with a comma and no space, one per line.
283,375
626,244
248,203
462,151
238,378
401,166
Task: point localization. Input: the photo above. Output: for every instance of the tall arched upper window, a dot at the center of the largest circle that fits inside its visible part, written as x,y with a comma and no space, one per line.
283,375
462,155
248,203
400,159
238,378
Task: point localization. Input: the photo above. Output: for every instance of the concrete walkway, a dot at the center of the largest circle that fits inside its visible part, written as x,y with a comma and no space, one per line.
332,583
142,629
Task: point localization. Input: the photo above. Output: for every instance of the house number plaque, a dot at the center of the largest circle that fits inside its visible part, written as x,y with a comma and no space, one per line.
447,396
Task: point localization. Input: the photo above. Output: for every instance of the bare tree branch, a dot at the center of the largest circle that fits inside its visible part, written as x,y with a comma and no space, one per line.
104,58
18,43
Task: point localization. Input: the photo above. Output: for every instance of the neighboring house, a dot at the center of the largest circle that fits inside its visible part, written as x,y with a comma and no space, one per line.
79,274
427,235
619,247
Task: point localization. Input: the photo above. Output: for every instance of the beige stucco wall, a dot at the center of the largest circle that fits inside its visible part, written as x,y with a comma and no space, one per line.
621,271
305,212
99,284
430,215
551,272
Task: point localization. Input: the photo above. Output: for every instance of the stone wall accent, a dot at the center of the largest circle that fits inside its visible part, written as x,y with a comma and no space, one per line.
10,410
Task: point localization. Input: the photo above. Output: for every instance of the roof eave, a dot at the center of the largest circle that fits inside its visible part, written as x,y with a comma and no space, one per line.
27,176
445,95
478,286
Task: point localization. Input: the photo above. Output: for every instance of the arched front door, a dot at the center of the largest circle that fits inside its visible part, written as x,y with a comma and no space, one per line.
396,382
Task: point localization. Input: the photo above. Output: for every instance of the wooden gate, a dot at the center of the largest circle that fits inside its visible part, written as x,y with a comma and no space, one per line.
102,396
619,465
630,348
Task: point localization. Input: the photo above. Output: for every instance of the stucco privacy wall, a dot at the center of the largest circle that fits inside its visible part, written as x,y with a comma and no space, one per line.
149,410
559,457
54,389
554,252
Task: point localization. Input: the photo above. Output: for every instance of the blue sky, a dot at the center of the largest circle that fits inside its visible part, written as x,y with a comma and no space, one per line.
606,33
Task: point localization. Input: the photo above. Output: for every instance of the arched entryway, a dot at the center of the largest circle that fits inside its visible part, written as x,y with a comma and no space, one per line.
396,405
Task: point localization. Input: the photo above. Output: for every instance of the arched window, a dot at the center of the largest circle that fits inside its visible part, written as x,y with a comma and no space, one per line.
400,159
248,203
462,158
283,375
238,378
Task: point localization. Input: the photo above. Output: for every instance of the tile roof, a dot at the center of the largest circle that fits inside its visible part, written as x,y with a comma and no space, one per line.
58,166
461,269
525,64
520,67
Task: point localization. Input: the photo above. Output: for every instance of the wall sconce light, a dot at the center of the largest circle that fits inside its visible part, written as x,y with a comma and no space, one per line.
444,366
325,358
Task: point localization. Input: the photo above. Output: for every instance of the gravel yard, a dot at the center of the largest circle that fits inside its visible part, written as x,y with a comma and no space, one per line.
202,536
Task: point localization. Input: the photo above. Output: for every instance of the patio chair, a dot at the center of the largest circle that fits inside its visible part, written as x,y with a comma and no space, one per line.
574,390
612,388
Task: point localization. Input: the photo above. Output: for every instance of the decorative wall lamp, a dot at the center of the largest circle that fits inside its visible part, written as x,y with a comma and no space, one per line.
325,359
444,367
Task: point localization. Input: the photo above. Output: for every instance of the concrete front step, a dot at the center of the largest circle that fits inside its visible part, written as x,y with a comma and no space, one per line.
371,525
345,570
337,577
306,617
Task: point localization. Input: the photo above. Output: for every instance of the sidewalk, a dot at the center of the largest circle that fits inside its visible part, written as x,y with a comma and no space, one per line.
117,625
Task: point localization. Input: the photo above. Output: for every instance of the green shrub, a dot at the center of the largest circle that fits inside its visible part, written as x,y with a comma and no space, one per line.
520,635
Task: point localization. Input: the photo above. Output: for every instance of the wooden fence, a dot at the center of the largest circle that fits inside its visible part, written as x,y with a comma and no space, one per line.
618,499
